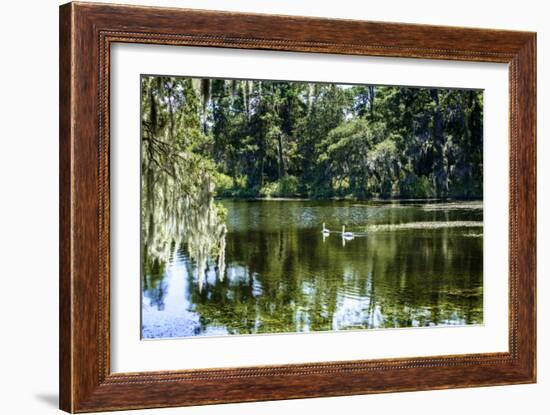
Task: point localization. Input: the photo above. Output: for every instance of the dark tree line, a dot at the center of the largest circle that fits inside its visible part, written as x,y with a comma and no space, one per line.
278,138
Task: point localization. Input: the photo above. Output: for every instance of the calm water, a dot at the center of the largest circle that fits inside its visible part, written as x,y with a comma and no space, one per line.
409,265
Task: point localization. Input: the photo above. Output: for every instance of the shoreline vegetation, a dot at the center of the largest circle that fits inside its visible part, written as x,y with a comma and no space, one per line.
256,138
213,265
350,198
204,139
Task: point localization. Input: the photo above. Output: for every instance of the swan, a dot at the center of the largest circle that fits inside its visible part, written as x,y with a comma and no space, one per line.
346,235
325,230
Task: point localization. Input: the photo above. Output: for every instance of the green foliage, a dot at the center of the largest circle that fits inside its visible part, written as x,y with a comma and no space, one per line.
234,187
208,138
412,186
178,175
224,184
285,187
286,139
383,163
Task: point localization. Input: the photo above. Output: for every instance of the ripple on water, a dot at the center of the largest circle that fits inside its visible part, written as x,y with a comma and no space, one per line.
453,205
424,225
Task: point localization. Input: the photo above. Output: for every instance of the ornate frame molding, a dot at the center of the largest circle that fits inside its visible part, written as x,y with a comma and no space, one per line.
86,33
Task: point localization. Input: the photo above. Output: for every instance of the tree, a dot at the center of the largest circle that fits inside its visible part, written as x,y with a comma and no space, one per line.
203,138
178,182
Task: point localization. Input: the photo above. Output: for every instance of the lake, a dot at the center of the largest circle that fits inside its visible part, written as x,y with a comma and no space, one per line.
409,264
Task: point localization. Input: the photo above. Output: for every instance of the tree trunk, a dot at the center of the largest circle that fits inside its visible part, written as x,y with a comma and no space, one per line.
371,90
439,171
245,87
205,98
281,161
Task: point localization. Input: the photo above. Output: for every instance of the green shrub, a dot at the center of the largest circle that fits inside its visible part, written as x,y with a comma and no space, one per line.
285,187
227,186
288,186
416,187
224,184
240,182
270,190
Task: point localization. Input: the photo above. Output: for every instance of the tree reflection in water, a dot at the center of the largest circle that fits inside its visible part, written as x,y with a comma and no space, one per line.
279,275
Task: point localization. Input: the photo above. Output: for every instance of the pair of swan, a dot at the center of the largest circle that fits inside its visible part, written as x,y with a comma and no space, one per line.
345,235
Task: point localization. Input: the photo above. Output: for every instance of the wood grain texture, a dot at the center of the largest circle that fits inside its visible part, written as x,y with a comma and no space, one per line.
86,33
65,247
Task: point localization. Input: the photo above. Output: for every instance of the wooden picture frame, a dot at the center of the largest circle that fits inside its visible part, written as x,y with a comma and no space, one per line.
86,33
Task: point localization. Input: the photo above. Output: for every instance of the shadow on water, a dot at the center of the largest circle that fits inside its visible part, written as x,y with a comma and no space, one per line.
408,265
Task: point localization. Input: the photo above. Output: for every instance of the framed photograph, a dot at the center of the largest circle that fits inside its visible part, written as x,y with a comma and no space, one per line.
258,207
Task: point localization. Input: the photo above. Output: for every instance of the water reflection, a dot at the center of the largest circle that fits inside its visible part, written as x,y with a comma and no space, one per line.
408,265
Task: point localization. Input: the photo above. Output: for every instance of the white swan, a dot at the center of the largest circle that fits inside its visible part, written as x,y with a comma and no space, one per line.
346,235
325,230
